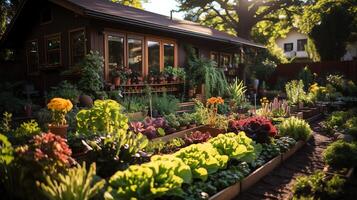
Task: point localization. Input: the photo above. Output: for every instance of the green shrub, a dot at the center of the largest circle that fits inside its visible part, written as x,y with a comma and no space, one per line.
65,90
6,151
341,154
295,128
104,117
134,104
77,183
318,186
306,76
91,80
351,126
336,119
165,104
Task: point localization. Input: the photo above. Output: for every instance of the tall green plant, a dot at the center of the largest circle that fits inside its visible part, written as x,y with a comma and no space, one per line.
295,91
306,76
203,71
77,184
237,91
165,104
91,80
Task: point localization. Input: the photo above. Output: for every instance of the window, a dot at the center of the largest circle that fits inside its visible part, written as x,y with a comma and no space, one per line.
153,56
46,15
32,56
53,49
288,47
225,60
215,57
116,51
77,43
301,44
135,55
236,60
169,55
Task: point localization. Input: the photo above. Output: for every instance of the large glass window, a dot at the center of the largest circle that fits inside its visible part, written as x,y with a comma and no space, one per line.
169,55
53,50
135,53
153,56
116,51
32,56
77,46
288,47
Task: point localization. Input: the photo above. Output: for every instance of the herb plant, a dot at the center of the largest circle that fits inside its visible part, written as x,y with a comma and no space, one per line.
295,128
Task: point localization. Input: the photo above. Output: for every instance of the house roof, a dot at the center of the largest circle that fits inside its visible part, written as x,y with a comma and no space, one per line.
107,10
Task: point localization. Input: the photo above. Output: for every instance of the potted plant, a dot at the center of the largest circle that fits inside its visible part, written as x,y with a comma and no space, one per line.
59,108
116,75
153,75
127,75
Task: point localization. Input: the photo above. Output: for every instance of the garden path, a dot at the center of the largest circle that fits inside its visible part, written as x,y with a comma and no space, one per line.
278,184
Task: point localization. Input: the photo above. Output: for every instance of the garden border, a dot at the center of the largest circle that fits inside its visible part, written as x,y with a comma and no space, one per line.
234,190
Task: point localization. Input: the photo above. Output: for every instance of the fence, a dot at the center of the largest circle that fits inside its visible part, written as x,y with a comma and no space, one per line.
290,71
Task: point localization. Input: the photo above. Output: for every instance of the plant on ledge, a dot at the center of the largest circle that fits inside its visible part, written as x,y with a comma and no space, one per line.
260,129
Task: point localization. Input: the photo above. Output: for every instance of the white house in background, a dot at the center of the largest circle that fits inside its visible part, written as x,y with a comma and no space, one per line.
294,44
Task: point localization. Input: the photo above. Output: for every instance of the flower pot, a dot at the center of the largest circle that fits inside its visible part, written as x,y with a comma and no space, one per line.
116,81
60,130
85,101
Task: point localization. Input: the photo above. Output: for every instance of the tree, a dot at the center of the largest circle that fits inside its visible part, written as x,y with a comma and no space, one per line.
132,3
329,25
238,16
7,11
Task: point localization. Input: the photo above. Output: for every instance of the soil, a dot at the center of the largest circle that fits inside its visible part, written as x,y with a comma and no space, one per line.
278,184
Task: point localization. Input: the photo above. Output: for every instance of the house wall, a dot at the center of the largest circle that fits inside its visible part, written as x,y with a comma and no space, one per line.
292,37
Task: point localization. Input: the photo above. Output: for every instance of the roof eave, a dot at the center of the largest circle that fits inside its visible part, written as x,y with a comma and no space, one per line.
108,17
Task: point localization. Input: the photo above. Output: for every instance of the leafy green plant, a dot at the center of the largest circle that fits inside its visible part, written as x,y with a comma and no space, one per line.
104,117
336,120
306,76
91,79
237,91
134,104
77,183
65,90
264,69
164,175
165,104
295,91
26,131
341,154
318,186
172,121
203,159
236,146
351,126
6,150
5,126
295,128
203,71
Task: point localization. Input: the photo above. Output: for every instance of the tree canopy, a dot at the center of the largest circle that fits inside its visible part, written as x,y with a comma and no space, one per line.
238,16
132,3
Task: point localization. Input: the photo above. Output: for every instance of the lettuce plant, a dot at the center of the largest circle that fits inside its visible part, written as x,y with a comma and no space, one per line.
203,159
164,175
238,147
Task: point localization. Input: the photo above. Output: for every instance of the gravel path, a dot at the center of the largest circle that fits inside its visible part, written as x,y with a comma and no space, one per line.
278,184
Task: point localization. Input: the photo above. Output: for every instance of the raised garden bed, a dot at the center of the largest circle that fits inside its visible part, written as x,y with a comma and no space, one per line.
234,190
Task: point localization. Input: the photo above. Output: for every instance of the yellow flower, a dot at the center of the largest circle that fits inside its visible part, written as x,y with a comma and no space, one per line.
60,105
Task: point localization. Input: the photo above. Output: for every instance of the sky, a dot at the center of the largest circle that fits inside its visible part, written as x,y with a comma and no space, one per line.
163,7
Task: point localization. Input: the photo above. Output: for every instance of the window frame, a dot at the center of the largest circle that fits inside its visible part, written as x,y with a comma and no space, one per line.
70,53
106,50
137,37
303,47
292,46
46,38
38,57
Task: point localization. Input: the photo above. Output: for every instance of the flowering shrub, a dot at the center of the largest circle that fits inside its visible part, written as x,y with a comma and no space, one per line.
197,137
59,107
260,129
276,108
47,149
